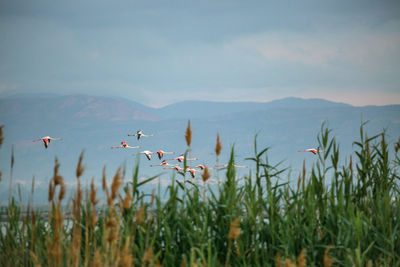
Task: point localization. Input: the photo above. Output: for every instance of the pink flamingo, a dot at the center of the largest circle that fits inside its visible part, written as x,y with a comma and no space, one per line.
124,145
234,165
177,168
181,158
140,134
312,150
147,153
163,163
46,140
202,167
160,153
191,171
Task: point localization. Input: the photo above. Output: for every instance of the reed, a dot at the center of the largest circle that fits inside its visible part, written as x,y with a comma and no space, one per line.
341,212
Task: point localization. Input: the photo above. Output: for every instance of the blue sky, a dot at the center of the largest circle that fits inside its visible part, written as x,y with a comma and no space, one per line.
161,52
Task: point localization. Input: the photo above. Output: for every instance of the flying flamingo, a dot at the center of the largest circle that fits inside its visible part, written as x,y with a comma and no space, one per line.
234,165
177,168
202,167
312,150
147,153
124,145
46,140
140,134
191,171
163,163
181,158
160,153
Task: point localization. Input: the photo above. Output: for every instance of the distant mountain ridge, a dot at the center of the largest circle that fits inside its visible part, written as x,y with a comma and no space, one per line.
120,109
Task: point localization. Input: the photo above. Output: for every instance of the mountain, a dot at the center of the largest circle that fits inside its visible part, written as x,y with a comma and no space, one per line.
202,109
94,124
74,107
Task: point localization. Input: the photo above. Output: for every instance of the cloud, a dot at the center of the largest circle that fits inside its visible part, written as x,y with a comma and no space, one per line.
325,49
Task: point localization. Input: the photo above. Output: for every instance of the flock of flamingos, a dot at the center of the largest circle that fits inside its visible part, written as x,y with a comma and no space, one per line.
160,153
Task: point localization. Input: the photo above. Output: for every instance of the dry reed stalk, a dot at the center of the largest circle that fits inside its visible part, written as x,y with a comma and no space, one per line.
299,181
301,259
234,229
52,189
97,261
206,175
188,134
126,203
288,263
34,259
79,168
126,258
55,249
92,194
62,192
76,244
148,256
278,260
328,261
139,215
397,146
218,146
116,183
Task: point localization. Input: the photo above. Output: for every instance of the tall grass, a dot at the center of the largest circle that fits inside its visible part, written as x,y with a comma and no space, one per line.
339,214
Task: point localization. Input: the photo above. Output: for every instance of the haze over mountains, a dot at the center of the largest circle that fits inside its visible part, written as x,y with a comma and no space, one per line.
96,123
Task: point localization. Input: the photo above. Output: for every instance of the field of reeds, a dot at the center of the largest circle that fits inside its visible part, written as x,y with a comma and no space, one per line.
336,215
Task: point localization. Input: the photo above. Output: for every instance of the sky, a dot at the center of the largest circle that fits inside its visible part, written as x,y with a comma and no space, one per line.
161,52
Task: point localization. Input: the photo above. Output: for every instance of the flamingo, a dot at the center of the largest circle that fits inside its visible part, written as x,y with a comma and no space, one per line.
191,171
140,134
46,140
164,163
177,168
147,153
181,158
312,150
202,167
233,164
124,145
160,153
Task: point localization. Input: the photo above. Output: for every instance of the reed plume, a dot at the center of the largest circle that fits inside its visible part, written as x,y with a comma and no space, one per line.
328,261
79,168
188,134
218,146
301,259
234,229
206,174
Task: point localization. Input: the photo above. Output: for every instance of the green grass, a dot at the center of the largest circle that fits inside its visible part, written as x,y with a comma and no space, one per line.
346,213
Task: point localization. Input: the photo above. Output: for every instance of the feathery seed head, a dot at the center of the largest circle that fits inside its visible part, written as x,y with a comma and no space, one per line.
206,174
188,134
148,256
62,192
93,192
218,146
79,168
301,259
234,229
126,203
328,261
116,183
139,215
51,190
397,146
